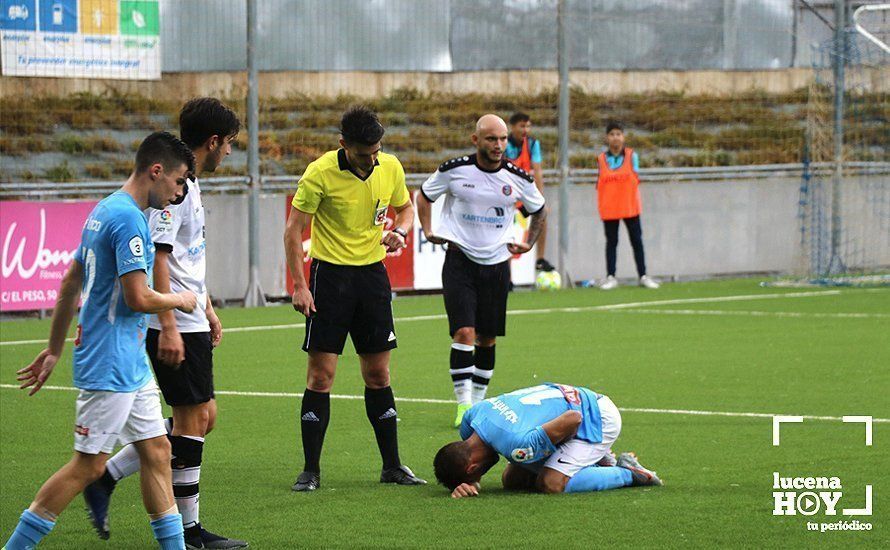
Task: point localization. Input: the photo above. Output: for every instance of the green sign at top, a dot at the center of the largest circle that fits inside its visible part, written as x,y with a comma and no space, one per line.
140,17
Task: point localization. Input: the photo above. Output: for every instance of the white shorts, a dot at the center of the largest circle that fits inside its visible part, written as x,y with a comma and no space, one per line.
576,454
104,419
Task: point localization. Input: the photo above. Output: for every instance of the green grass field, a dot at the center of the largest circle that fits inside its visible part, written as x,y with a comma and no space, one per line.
814,352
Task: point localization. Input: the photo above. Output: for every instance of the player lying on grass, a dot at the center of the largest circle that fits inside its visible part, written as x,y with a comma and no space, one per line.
557,438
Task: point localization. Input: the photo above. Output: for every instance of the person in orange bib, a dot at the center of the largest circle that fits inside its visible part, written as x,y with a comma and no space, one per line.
524,151
618,196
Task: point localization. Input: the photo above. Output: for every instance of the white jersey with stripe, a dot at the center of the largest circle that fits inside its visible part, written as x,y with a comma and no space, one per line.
180,229
480,205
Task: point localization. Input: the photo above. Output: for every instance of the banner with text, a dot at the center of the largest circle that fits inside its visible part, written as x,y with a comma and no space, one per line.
81,38
39,240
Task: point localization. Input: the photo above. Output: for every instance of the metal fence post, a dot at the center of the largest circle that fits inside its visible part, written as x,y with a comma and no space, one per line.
254,295
836,263
563,63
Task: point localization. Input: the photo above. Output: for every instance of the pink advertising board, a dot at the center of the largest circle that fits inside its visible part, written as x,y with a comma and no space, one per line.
38,244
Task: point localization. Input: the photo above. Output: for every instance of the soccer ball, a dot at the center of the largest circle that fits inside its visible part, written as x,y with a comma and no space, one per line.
548,280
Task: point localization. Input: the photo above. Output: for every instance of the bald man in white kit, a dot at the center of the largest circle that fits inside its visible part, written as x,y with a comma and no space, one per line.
480,192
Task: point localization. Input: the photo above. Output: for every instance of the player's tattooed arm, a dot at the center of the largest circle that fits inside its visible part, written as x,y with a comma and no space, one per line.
536,225
563,427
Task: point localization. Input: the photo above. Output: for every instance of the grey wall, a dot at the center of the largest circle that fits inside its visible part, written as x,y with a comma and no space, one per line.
689,229
446,35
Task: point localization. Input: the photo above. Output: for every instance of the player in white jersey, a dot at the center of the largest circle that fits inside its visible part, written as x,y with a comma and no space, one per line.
180,345
480,193
118,401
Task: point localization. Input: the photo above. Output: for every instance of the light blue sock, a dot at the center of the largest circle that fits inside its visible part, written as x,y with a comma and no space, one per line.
29,531
595,478
168,531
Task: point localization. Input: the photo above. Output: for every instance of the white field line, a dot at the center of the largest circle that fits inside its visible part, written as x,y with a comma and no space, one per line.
295,395
729,312
607,307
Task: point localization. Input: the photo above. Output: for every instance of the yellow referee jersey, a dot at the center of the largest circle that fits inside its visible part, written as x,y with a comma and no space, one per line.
348,211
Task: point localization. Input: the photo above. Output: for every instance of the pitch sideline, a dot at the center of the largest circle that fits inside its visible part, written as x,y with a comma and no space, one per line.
295,395
541,311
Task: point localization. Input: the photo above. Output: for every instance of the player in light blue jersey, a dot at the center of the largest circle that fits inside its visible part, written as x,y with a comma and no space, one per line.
118,401
557,439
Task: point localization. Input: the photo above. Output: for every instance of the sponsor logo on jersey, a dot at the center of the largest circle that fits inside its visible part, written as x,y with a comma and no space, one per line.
92,224
504,410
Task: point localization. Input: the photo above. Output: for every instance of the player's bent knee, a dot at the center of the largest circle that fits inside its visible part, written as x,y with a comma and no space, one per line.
377,378
319,380
515,478
211,416
155,451
90,467
485,341
465,335
552,483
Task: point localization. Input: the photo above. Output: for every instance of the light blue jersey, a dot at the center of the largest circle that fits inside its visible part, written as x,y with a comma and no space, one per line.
109,353
512,423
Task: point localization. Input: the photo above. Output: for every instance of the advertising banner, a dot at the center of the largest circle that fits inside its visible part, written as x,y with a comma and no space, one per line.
39,240
81,38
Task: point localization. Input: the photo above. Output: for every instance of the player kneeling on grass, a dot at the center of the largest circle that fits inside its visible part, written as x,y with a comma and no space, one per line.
118,401
557,438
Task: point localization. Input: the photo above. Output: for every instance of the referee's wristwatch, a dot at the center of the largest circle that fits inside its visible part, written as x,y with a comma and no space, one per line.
402,232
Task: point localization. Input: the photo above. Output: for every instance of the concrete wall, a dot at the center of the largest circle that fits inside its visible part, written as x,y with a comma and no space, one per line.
227,244
176,86
689,229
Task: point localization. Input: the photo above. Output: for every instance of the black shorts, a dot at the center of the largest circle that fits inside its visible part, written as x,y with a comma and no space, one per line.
350,299
191,383
475,294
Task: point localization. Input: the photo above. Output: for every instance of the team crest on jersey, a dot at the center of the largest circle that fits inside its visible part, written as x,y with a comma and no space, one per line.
508,190
521,455
81,430
571,394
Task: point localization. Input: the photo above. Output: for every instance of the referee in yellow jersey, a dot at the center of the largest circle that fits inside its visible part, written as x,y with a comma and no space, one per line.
344,194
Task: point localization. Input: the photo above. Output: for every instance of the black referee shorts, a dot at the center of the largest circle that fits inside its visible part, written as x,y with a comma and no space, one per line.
475,294
354,300
191,383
